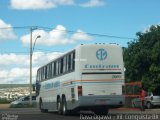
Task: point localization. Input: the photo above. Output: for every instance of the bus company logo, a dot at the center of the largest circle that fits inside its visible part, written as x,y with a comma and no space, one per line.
101,54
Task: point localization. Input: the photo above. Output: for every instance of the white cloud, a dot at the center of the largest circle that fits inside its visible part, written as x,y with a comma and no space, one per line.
80,35
3,73
38,4
64,2
93,3
57,36
39,58
12,59
15,75
7,33
47,4
15,68
18,72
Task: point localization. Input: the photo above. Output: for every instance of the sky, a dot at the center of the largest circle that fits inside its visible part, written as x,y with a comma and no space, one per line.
62,25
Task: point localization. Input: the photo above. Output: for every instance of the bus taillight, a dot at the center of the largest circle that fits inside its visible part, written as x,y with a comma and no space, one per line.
79,90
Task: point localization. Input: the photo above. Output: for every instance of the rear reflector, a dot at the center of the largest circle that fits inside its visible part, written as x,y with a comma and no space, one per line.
72,93
79,90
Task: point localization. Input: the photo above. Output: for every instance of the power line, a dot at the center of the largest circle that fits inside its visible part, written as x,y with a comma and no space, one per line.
8,52
92,34
8,77
69,31
20,27
44,50
23,52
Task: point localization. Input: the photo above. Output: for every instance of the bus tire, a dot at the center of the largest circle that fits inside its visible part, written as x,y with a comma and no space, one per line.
64,106
59,106
41,106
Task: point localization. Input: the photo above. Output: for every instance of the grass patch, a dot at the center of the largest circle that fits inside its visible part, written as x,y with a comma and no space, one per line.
4,101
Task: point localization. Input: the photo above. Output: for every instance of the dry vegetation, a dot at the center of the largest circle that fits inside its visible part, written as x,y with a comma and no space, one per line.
4,106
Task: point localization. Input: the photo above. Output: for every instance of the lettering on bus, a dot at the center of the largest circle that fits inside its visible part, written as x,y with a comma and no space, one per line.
116,76
80,60
51,85
101,66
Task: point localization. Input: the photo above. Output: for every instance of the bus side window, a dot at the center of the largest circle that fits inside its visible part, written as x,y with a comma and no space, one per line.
39,74
42,73
50,70
61,66
69,62
64,64
73,61
55,71
67,59
45,73
37,77
52,73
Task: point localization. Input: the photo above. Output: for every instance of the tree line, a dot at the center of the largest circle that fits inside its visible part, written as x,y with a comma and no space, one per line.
142,58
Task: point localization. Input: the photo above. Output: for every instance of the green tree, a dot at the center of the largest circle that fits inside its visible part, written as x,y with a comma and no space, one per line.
142,58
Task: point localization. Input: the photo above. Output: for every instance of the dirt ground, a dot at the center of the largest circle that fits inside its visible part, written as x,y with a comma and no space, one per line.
4,106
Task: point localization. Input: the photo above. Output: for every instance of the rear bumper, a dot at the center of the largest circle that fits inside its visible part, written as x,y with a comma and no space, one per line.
110,101
92,102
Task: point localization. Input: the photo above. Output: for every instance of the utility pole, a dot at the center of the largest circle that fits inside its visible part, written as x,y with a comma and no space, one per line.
30,85
31,54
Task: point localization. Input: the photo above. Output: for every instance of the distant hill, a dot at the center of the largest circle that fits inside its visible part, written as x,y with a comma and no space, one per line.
13,85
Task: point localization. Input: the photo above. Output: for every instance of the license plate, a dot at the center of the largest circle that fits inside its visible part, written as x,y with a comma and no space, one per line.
102,102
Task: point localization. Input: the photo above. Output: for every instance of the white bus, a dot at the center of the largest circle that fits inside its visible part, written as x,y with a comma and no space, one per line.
90,77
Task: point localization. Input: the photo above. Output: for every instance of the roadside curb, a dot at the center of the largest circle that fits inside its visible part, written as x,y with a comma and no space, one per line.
136,109
126,109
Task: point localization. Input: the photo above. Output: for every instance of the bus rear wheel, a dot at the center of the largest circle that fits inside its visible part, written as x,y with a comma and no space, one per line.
59,106
41,106
64,107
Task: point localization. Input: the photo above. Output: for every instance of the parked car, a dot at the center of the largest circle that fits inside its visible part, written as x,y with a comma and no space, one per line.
24,101
151,100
